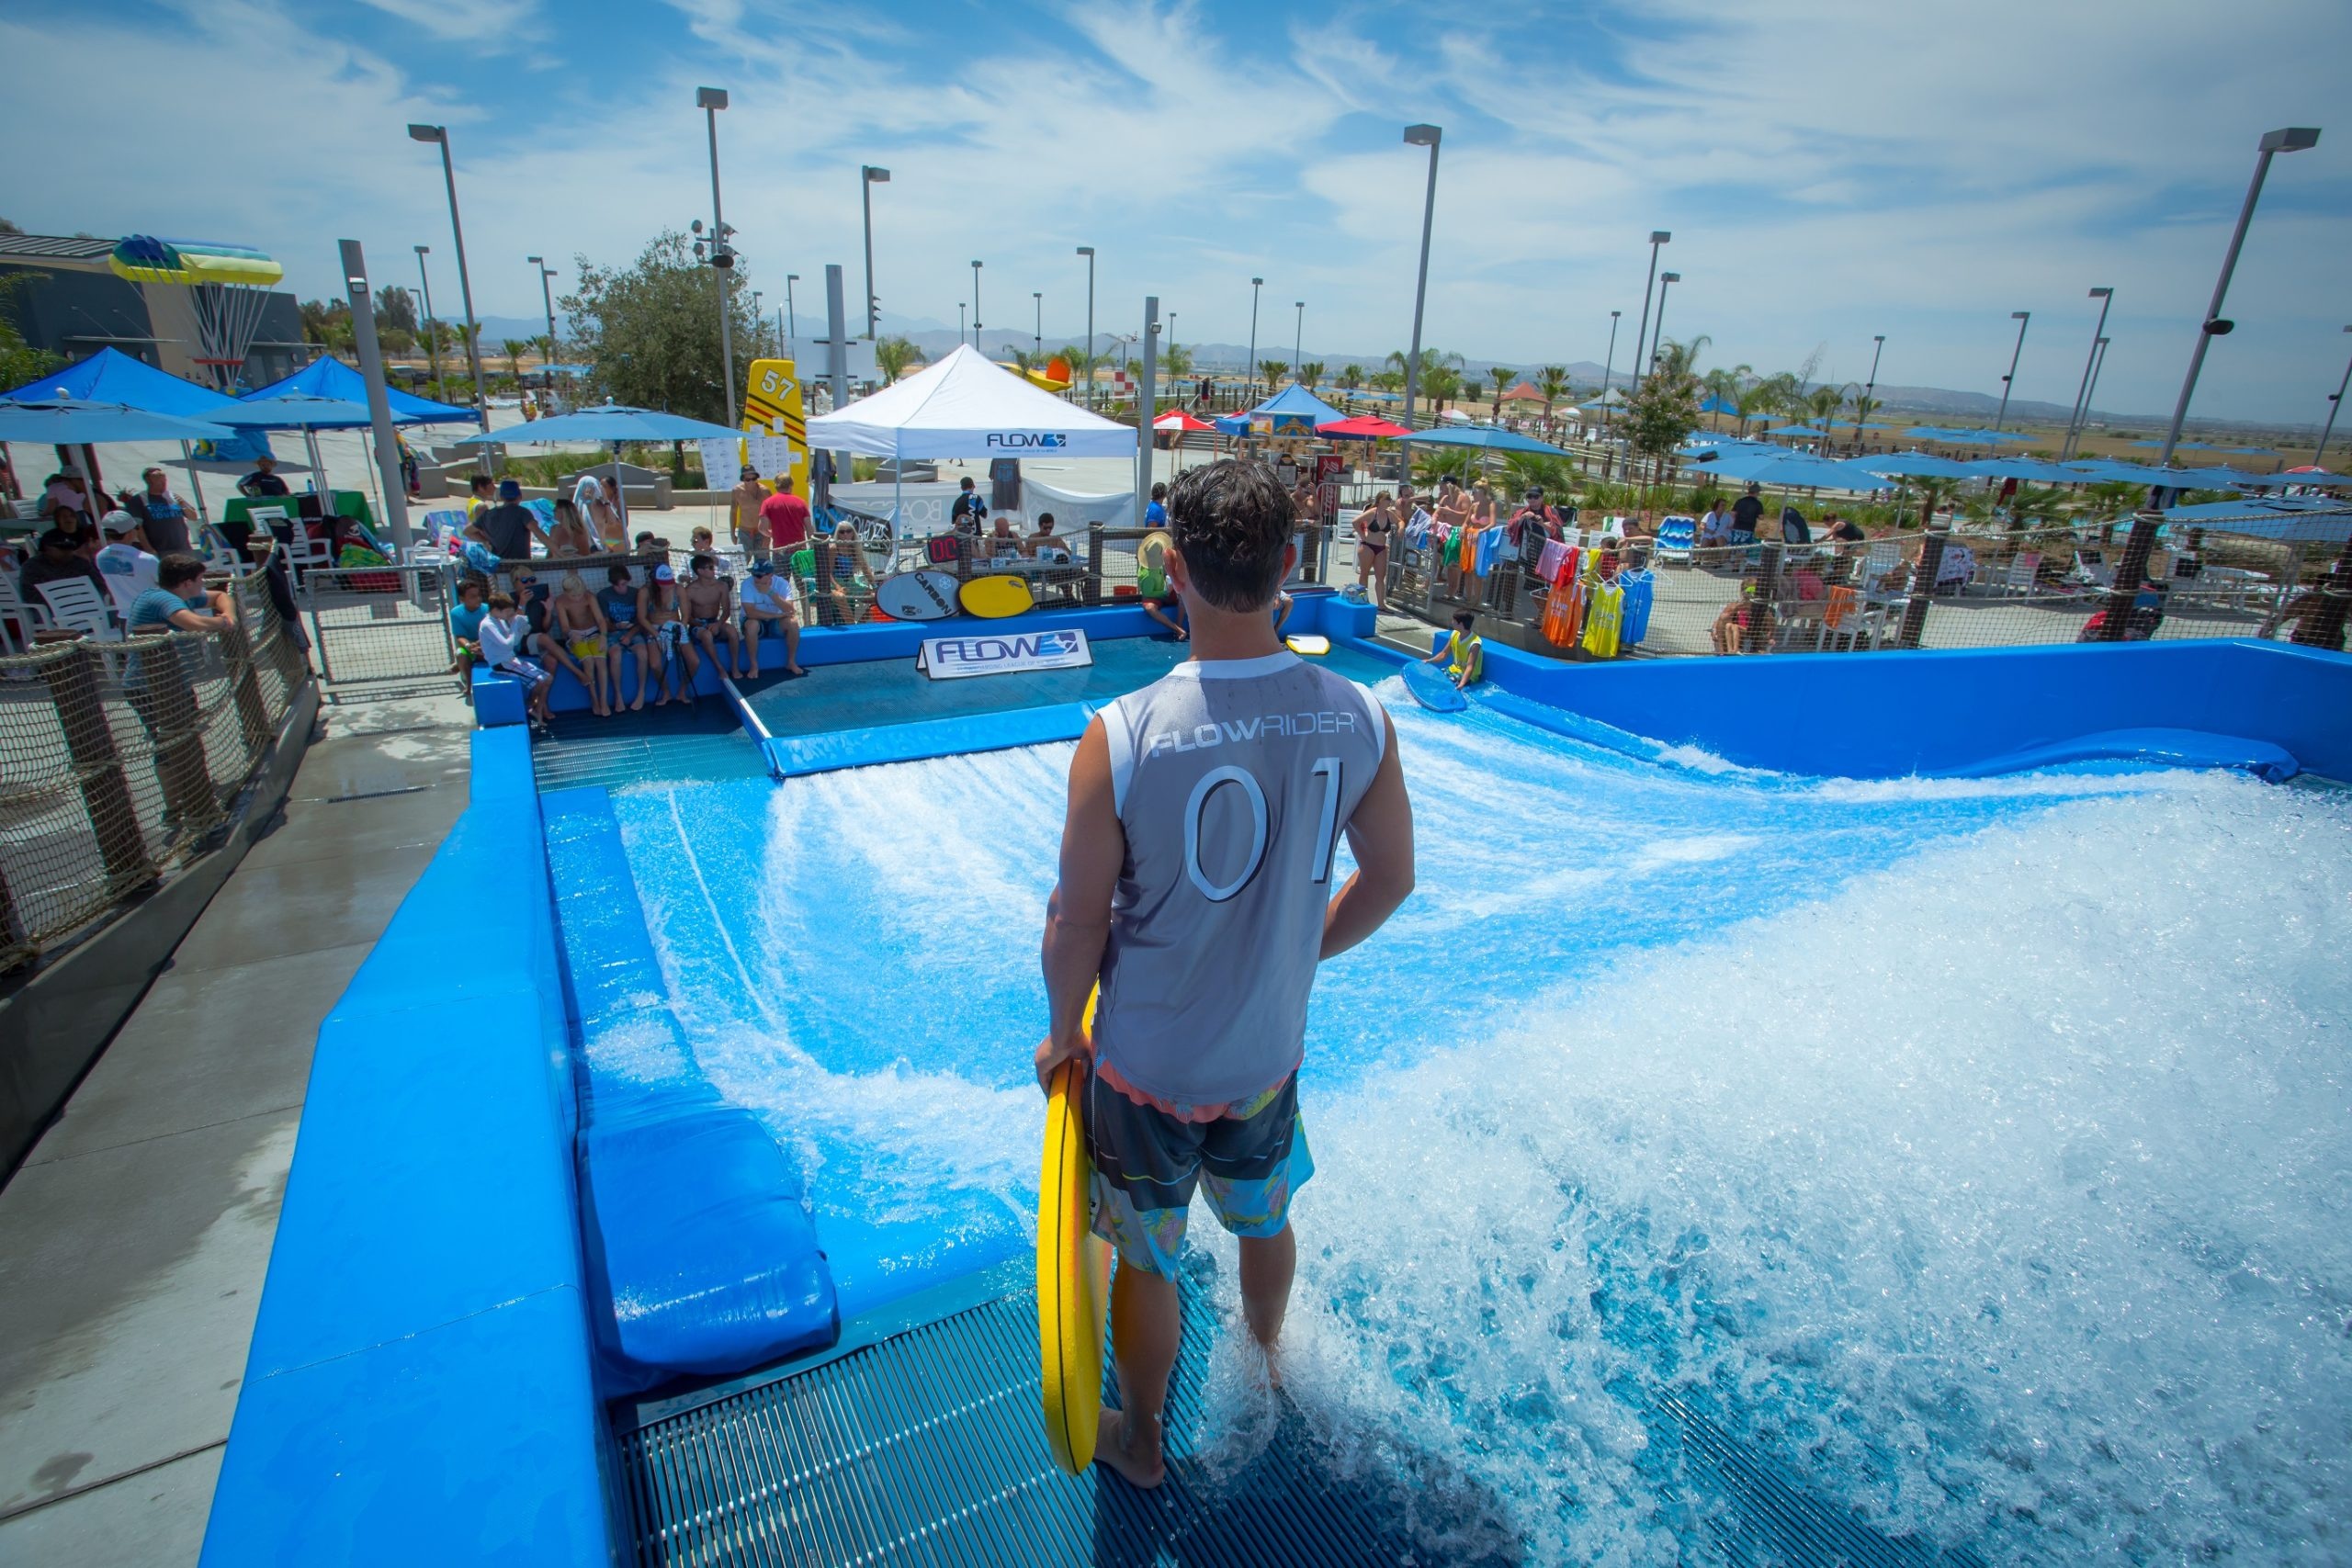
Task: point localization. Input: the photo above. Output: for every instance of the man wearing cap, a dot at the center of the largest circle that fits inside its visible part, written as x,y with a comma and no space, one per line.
744,503
1534,509
770,605
264,479
508,528
58,559
129,570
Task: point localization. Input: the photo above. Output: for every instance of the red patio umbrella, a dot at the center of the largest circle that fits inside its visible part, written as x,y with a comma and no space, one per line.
1177,419
1363,427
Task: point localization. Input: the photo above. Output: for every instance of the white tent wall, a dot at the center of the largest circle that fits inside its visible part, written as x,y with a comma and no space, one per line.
966,406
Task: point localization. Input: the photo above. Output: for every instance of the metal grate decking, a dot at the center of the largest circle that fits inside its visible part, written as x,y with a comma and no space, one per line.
700,743
924,1447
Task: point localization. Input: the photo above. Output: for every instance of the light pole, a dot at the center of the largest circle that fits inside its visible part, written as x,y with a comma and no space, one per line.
2008,381
759,323
2105,297
1608,367
962,316
1297,338
1088,252
432,337
380,408
1250,379
1870,388
440,134
868,176
710,100
791,317
976,304
1427,136
1658,336
2098,363
2335,406
547,300
1641,333
1038,294
2293,139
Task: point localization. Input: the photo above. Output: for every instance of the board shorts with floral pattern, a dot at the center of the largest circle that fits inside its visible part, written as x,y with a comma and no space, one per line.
1147,1162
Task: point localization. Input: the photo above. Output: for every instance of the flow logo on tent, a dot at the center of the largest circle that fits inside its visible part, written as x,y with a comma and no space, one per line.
1043,439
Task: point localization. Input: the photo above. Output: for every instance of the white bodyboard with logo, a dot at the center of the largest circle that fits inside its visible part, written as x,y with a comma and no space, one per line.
995,653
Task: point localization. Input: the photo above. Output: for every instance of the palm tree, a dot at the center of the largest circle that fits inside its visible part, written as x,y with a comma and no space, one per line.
1310,372
1678,359
1351,378
1023,359
1176,359
1724,384
1388,380
512,348
1499,377
1823,403
1862,406
1471,389
1080,362
1442,382
1273,370
1553,382
893,355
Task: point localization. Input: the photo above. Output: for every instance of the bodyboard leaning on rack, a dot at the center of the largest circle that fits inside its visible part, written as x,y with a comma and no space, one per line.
1073,1277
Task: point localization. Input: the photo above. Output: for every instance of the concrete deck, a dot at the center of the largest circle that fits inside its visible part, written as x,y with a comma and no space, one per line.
134,1239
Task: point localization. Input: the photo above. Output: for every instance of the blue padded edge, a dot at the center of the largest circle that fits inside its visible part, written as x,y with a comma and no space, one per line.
418,1387
1892,714
791,755
498,699
701,1255
2154,748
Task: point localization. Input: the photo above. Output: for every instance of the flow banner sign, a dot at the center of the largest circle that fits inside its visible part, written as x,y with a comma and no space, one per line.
955,658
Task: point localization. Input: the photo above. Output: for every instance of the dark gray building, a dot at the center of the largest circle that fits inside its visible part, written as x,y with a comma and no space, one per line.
71,303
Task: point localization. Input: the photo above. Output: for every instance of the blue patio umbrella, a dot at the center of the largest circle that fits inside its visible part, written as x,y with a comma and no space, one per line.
1485,438
2032,468
73,421
2099,470
1803,430
1792,471
613,422
110,376
304,412
1912,464
2309,518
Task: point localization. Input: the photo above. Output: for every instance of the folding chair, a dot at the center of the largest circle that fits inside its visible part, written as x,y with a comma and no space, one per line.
75,604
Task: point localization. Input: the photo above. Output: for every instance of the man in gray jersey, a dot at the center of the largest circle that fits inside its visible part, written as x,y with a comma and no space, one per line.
1196,888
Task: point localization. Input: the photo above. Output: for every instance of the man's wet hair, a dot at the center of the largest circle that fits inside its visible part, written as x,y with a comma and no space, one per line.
1231,519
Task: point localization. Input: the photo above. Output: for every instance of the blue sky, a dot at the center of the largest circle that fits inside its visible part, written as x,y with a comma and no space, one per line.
1829,171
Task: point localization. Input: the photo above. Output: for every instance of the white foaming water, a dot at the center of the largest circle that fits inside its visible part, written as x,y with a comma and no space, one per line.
1977,1149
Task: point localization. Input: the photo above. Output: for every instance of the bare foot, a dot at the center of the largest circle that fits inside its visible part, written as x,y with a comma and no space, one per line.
794,670
1138,1461
637,705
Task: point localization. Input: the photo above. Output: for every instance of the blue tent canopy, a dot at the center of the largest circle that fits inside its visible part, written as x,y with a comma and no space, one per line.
330,378
2032,468
75,422
111,376
1784,469
1293,411
1916,464
1963,438
1805,430
1232,424
294,411
1484,437
2288,517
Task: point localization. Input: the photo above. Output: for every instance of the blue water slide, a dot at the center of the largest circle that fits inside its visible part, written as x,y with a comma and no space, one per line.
701,1253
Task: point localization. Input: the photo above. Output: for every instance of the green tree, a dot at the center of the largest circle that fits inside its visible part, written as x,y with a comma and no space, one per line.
1664,412
20,361
1553,382
1388,380
648,331
1176,360
1862,406
1498,376
512,348
1273,370
893,355
1351,377
544,346
1823,402
1472,388
1310,372
395,307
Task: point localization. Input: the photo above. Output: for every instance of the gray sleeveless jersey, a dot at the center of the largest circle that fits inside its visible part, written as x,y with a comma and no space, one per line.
1234,780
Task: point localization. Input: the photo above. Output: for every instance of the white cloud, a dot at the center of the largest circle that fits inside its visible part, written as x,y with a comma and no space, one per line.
496,24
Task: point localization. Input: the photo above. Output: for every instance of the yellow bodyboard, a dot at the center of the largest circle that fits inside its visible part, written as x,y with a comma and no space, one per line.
1073,1277
1309,644
994,597
772,405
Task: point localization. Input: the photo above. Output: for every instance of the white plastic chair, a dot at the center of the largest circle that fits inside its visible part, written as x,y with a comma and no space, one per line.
31,618
75,604
2024,570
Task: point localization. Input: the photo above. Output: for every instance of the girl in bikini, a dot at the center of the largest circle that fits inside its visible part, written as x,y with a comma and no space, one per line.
657,614
1375,530
571,535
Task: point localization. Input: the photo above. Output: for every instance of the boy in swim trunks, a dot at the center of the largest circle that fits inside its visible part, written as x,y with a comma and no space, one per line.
1198,865
580,628
770,605
624,639
710,612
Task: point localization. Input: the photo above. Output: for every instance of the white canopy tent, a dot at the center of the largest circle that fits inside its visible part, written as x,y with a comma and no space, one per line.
966,406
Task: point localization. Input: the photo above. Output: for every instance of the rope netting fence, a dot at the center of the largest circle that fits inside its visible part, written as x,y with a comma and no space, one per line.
120,760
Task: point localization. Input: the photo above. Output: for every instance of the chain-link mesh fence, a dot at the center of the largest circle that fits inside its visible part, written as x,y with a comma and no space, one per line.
120,760
1932,590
